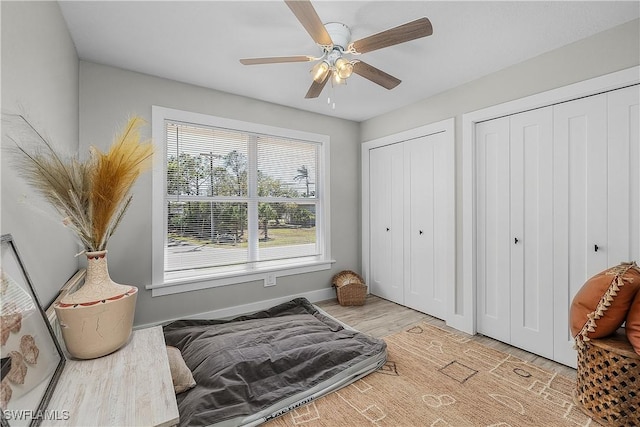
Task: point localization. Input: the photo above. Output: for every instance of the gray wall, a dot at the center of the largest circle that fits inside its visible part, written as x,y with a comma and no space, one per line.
40,81
108,95
603,53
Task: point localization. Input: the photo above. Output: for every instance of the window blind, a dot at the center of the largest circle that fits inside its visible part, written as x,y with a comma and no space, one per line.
236,199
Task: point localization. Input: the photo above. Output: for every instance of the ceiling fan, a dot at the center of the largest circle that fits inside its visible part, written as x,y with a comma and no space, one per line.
334,39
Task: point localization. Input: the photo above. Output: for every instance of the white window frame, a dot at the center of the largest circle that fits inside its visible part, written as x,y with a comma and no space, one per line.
267,271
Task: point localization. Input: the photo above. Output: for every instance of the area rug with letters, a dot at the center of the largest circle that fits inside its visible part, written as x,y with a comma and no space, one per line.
437,378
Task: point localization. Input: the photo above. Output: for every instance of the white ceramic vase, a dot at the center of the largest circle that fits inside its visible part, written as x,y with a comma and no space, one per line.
97,319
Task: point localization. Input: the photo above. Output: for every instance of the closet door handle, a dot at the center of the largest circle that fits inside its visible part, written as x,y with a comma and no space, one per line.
387,228
421,232
595,247
515,241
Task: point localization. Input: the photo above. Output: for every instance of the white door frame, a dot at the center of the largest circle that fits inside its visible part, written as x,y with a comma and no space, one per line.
616,80
447,126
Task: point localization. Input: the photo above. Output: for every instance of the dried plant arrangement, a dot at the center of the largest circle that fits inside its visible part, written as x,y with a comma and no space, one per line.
91,195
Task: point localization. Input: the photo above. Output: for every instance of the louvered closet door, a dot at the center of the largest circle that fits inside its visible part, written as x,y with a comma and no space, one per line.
427,236
580,207
493,236
386,222
531,287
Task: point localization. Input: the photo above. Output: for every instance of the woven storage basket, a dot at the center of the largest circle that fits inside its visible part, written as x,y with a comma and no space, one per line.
608,386
350,288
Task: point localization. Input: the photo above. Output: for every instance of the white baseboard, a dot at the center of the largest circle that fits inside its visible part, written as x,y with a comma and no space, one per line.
239,310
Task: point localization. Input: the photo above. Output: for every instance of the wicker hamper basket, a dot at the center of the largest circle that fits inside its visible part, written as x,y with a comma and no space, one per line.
608,380
350,288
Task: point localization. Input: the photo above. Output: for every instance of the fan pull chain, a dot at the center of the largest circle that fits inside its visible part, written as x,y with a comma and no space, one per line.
331,102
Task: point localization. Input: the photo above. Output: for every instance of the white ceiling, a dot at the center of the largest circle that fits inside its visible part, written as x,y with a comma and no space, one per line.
200,42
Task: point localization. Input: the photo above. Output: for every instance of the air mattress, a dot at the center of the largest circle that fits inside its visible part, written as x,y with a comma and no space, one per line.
254,368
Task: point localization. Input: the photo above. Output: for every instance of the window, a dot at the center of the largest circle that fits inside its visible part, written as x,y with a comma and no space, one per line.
235,201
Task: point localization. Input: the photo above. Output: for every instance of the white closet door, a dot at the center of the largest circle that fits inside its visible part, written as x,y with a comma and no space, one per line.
427,236
580,207
493,228
386,222
562,185
624,176
531,290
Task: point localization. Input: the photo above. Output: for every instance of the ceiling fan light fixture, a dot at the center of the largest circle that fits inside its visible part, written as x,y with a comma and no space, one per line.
320,71
344,68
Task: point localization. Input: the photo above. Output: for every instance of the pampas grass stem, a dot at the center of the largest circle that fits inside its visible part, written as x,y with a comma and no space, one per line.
92,196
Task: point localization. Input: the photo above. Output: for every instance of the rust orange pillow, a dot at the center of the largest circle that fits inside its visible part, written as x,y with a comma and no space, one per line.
633,323
601,305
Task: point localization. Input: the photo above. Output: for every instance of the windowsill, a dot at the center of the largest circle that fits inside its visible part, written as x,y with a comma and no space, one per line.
205,281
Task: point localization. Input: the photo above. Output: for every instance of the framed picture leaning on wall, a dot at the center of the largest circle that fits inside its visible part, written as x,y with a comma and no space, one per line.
32,359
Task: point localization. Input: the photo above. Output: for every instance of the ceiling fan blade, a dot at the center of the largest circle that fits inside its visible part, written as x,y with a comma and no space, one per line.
316,88
308,17
403,33
376,75
277,60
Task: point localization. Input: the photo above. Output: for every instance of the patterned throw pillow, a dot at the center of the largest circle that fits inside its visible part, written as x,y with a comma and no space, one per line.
180,373
601,305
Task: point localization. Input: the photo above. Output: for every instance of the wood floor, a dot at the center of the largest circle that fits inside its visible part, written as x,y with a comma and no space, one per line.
379,317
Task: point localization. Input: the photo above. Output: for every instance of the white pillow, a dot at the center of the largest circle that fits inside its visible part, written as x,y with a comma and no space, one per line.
180,373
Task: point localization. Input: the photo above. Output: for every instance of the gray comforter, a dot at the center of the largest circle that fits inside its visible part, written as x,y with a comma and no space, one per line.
254,367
